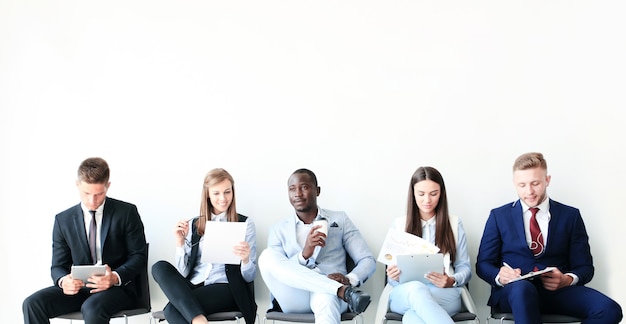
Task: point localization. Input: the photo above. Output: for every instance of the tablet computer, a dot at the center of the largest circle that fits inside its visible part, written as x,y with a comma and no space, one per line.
84,272
415,267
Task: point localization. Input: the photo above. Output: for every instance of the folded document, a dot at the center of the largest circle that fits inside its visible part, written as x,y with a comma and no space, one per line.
402,243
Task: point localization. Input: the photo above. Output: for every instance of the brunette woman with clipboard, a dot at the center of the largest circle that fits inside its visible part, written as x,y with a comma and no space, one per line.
428,218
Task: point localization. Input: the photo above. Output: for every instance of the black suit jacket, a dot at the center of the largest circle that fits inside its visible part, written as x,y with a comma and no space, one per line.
123,242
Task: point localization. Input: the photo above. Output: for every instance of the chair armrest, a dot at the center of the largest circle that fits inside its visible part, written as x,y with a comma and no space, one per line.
468,302
383,304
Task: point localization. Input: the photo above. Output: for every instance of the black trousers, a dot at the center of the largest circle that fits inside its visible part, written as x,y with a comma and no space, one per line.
97,308
186,300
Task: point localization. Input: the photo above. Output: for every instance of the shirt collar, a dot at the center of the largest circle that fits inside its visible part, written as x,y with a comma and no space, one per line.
318,217
99,210
220,217
431,221
543,206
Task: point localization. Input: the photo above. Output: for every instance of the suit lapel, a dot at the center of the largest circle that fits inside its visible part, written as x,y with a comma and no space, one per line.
107,216
78,220
292,233
330,221
518,221
553,224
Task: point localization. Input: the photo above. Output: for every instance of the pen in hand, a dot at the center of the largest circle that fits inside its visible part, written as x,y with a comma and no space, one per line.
508,266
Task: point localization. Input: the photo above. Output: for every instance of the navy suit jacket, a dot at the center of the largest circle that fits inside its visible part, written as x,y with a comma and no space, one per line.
504,240
123,241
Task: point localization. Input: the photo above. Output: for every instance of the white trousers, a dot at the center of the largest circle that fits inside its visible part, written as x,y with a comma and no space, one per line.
299,289
420,303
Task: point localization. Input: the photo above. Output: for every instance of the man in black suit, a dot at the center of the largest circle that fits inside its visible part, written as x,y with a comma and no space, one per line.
118,242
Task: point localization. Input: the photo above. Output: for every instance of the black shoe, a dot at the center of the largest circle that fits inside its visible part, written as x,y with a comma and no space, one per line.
356,299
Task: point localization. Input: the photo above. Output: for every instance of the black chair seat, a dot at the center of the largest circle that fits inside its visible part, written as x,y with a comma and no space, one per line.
460,317
159,316
497,314
302,317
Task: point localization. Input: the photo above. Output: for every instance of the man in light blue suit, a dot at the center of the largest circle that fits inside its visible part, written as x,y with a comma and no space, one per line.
304,268
531,234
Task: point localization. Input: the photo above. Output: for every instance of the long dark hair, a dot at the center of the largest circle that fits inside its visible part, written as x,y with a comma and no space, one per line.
444,237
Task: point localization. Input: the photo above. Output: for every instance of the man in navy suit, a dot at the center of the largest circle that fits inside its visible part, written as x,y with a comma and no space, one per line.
119,244
510,246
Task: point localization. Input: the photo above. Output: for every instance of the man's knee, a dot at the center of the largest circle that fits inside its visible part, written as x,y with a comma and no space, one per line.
521,290
36,302
267,259
262,258
612,311
29,303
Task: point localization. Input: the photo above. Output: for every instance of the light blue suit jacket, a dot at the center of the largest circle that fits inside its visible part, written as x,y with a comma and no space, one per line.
343,237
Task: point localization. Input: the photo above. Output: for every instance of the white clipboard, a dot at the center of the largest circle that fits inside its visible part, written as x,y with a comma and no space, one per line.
415,267
532,274
218,241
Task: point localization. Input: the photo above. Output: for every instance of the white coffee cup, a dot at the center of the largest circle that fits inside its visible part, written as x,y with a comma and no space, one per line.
324,228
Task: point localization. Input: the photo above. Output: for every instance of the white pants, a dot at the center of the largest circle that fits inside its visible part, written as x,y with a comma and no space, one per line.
421,303
299,289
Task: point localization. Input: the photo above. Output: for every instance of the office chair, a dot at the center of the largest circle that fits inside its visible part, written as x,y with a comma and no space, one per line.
384,314
498,314
158,316
277,315
144,300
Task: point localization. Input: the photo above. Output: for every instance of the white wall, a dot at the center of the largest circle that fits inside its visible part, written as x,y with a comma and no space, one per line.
361,92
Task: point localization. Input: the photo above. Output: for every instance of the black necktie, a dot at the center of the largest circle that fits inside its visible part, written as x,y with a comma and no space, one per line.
92,236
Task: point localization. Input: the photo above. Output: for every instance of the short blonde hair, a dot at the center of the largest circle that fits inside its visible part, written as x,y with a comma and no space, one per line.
530,160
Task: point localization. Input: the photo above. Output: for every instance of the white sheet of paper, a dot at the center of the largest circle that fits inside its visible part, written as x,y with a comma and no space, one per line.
400,242
219,239
533,274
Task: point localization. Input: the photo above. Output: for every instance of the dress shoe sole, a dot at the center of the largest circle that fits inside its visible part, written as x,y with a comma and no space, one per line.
362,304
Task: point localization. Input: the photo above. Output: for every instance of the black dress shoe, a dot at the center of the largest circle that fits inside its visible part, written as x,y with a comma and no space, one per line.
356,299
